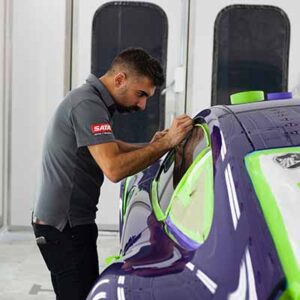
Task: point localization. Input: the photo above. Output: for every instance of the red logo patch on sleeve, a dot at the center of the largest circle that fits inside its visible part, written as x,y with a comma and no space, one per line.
102,128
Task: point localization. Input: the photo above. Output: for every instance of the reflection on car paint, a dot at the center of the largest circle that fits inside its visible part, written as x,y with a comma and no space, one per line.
238,258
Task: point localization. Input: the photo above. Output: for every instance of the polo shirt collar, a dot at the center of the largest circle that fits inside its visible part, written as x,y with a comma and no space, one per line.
105,95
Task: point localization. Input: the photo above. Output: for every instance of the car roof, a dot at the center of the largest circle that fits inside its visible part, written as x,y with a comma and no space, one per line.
269,124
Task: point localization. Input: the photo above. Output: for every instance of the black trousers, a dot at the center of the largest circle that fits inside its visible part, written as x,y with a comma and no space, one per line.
71,257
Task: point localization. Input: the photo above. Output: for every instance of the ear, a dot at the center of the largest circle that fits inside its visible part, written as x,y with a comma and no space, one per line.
120,79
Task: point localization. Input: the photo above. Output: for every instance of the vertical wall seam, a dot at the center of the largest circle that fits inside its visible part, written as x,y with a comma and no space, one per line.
7,110
68,45
2,208
187,56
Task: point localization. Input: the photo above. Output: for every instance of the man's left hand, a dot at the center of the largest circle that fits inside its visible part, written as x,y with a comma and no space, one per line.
158,135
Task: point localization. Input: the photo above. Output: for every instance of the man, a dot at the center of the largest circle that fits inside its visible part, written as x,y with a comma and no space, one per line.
79,148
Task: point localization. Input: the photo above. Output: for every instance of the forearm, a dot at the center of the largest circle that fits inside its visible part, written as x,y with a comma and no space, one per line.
117,163
129,163
127,147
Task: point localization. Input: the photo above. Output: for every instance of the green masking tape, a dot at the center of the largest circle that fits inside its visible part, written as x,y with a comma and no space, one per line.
247,97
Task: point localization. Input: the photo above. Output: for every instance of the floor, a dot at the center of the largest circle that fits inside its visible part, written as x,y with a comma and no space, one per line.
23,274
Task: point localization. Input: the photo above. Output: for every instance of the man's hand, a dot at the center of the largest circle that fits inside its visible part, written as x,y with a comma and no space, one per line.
158,135
179,129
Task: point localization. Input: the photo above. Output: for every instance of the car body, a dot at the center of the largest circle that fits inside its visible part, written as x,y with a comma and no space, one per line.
216,218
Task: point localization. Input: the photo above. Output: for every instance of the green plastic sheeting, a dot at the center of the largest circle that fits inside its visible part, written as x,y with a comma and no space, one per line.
191,205
158,212
274,218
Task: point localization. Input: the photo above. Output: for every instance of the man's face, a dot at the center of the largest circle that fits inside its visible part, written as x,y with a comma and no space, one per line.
132,92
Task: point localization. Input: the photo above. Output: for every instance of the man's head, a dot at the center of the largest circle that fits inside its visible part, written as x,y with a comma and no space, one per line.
133,78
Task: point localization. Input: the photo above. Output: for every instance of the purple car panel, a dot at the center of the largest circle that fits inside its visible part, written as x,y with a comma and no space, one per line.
238,259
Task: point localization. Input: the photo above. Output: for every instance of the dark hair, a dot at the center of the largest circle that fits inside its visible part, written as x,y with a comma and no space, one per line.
140,62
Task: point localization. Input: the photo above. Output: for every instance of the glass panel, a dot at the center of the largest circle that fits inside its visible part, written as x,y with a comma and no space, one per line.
177,163
188,151
251,51
192,203
119,25
165,184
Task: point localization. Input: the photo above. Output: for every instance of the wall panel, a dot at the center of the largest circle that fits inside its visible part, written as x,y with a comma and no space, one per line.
38,42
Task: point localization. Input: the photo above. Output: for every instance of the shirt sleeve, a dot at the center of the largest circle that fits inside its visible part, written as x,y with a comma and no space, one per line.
91,123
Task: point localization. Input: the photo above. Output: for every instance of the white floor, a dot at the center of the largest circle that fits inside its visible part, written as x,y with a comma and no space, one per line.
23,274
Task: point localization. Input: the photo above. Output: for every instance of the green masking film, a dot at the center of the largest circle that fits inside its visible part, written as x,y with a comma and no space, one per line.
160,216
274,217
192,203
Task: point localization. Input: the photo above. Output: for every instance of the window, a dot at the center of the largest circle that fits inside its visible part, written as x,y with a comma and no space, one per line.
182,193
191,210
251,51
116,26
166,184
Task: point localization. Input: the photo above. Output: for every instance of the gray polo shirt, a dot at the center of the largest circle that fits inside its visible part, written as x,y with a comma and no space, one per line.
70,180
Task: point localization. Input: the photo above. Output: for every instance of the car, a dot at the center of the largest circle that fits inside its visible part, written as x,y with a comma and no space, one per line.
217,217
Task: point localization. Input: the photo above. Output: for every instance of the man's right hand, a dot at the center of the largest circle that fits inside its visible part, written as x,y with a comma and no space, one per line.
179,129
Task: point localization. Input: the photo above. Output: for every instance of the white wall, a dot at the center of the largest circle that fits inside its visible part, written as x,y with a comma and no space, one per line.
38,39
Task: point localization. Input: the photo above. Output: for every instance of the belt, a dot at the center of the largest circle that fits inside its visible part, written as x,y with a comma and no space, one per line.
38,221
